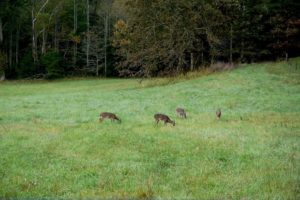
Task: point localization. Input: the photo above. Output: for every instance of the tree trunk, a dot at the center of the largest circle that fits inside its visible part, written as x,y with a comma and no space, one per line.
10,53
75,16
97,65
192,61
87,32
231,38
242,51
56,43
34,43
44,41
17,44
1,31
105,43
2,76
180,62
212,54
242,35
287,45
202,54
75,31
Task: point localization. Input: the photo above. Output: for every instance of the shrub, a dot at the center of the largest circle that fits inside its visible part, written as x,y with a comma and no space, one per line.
2,65
221,66
51,62
27,67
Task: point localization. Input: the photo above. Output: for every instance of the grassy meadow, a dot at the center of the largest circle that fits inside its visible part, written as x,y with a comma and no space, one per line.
52,145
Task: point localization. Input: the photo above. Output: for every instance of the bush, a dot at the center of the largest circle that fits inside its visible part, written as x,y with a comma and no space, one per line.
221,66
51,62
2,65
27,67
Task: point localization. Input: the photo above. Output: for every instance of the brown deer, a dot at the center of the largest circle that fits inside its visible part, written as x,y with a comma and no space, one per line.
181,112
161,117
108,115
218,113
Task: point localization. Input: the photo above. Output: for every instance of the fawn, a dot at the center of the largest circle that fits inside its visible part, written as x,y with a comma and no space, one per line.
181,112
218,113
161,117
108,115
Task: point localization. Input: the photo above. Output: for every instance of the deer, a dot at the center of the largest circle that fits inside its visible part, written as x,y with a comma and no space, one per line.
161,117
218,113
181,112
108,115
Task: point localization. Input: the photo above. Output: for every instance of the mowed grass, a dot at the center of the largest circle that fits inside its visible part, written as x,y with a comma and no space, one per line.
52,145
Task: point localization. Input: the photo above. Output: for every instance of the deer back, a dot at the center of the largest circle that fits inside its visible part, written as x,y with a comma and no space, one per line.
161,117
108,115
180,110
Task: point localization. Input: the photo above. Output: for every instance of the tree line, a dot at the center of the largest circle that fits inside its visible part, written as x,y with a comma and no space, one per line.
55,38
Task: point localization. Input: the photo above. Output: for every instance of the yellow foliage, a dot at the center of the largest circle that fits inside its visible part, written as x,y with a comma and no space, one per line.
76,39
121,35
120,24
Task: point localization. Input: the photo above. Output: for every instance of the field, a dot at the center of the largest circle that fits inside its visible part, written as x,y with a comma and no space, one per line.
52,145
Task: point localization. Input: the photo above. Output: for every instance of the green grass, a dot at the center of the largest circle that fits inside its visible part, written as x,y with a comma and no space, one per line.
51,144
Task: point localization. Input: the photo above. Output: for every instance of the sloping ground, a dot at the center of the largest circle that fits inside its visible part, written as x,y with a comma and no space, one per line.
51,144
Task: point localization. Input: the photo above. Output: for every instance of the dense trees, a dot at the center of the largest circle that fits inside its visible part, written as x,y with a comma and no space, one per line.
52,38
179,35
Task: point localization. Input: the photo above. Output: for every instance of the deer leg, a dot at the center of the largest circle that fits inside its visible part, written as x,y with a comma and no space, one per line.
100,119
157,121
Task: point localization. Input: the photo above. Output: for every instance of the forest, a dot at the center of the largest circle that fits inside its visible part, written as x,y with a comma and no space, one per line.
141,38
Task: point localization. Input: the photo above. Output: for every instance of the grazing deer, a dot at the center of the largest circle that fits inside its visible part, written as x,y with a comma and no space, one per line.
181,112
218,113
108,115
161,117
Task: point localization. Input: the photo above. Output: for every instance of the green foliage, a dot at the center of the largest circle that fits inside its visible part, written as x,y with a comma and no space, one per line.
3,62
27,67
51,62
53,146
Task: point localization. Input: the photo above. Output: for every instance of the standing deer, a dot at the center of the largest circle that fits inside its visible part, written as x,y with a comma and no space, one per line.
218,113
181,112
108,115
161,117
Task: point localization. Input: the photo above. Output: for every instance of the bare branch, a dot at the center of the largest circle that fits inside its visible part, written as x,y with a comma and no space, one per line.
43,6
